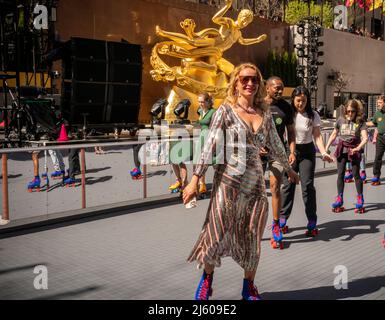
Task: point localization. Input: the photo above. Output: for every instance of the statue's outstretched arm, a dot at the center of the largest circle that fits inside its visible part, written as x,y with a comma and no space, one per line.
247,42
218,17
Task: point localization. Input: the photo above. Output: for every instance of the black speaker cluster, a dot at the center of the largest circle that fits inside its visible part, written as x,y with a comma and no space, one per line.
103,80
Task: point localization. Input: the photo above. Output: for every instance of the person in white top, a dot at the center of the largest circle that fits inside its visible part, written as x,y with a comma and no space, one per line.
307,127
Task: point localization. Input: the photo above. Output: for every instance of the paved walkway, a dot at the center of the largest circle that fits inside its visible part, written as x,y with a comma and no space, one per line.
141,255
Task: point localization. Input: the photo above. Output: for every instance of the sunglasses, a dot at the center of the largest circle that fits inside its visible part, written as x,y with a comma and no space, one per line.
350,111
245,79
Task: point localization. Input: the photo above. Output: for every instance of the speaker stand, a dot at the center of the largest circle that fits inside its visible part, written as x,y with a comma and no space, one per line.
85,125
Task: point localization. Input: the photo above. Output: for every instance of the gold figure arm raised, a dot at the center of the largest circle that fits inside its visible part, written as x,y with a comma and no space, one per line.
219,18
247,42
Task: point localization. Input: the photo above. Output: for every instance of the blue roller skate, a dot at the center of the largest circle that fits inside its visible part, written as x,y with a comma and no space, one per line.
312,230
360,204
176,187
337,206
204,290
376,181
250,291
202,193
56,175
276,240
283,226
69,182
34,185
363,176
348,176
136,173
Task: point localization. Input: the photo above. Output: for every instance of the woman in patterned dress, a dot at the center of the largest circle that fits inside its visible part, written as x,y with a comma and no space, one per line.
238,208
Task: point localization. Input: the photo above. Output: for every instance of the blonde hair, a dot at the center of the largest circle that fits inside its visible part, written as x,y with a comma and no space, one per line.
232,95
357,105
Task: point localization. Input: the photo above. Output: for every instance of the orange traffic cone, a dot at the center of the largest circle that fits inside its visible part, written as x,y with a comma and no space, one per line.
63,134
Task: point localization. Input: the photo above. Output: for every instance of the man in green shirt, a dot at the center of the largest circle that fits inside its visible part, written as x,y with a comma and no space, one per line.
379,122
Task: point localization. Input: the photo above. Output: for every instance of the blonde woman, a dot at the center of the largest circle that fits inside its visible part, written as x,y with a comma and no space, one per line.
238,209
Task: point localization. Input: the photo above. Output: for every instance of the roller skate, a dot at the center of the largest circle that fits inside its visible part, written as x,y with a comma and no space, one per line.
363,176
376,181
136,174
312,230
57,175
34,185
276,240
202,191
176,187
204,290
69,182
360,204
283,226
337,206
348,176
250,291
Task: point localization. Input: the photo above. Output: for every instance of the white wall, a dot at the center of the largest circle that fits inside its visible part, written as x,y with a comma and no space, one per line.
361,59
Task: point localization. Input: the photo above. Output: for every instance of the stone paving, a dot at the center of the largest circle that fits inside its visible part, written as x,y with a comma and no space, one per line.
142,255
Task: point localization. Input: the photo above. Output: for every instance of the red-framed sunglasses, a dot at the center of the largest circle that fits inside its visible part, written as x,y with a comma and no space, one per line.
245,79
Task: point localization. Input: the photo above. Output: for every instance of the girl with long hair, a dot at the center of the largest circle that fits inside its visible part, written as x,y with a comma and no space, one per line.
353,135
308,136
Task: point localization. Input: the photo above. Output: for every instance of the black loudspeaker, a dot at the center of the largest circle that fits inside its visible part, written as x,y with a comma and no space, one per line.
103,79
89,49
79,98
125,63
125,72
123,103
124,52
90,70
85,60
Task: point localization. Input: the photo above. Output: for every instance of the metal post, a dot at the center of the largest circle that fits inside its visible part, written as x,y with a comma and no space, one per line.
372,24
144,171
83,171
5,215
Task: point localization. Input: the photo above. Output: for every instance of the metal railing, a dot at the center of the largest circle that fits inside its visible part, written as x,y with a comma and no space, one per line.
82,147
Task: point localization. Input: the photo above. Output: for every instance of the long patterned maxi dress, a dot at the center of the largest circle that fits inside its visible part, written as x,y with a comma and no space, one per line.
238,208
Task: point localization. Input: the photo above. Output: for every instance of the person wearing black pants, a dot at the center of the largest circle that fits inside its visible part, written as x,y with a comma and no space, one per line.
380,150
353,135
379,122
74,166
341,164
307,127
305,166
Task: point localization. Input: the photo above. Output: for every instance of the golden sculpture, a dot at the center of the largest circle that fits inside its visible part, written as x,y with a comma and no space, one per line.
202,66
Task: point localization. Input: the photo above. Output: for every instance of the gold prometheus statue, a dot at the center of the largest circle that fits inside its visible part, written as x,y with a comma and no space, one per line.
202,66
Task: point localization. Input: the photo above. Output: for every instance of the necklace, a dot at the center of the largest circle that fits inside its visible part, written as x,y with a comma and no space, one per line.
247,109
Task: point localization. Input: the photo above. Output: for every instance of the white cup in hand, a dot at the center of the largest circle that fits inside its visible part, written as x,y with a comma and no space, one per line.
192,203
